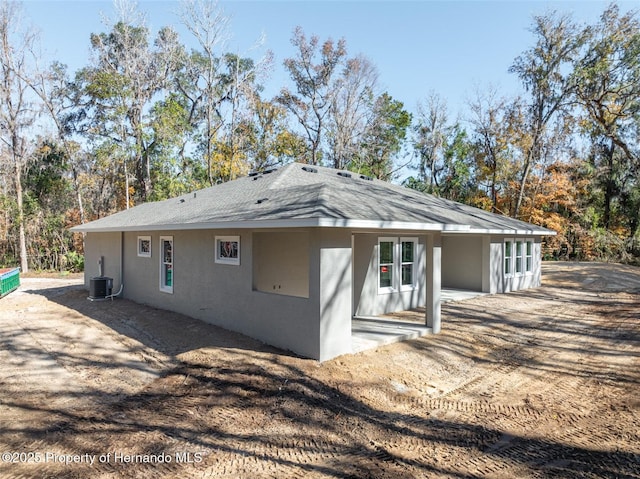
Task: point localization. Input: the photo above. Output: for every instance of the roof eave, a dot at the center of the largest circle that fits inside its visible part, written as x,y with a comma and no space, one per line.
317,223
279,223
509,231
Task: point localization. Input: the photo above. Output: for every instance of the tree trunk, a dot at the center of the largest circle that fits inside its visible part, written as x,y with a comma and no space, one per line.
522,186
609,189
24,264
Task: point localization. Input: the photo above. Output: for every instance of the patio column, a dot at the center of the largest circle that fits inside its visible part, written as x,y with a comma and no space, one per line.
433,281
336,292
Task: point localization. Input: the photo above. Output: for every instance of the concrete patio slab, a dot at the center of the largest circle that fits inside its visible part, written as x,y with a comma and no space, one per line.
371,332
368,332
448,295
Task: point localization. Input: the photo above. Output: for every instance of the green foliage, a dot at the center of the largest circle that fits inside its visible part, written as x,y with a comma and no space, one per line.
147,120
74,262
383,139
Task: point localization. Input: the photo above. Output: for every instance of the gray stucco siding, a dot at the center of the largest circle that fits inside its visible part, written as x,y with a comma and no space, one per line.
281,263
220,294
107,246
335,288
368,300
462,262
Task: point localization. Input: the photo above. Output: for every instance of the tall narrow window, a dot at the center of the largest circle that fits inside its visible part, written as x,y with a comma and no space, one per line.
385,263
529,257
166,264
407,259
518,257
508,254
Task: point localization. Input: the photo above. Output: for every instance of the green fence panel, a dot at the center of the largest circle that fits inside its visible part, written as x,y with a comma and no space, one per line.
9,281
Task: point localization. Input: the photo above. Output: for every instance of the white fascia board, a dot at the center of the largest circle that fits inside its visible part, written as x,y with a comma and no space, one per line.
284,223
509,232
318,223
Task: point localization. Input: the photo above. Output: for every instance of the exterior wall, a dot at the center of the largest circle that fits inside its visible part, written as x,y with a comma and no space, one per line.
281,263
502,283
107,246
463,262
312,315
367,300
222,294
496,265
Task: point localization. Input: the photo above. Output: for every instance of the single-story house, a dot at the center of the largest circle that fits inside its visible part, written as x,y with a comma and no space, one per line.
289,256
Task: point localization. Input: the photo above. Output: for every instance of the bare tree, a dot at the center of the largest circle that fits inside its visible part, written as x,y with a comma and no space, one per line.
543,72
54,89
219,87
17,111
351,110
126,76
490,137
201,79
431,131
312,71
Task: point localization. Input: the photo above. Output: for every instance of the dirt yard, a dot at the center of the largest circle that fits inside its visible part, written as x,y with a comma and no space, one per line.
542,383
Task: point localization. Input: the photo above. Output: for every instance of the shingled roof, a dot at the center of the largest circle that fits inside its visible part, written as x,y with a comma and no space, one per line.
299,195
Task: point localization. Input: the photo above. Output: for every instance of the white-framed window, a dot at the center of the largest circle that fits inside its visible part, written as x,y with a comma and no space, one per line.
508,257
528,261
386,264
166,264
408,249
518,262
144,246
396,264
518,257
227,250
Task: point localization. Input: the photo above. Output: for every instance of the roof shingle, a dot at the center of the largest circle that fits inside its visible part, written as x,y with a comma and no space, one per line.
294,197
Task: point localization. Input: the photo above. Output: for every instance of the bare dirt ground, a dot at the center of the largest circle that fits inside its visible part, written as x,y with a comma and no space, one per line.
536,384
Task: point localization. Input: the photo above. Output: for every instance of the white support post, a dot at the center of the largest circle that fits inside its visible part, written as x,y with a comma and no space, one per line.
434,282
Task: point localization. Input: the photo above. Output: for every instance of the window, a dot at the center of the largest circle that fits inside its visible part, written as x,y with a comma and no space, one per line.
144,246
508,258
386,247
228,249
529,257
166,264
518,257
407,262
396,264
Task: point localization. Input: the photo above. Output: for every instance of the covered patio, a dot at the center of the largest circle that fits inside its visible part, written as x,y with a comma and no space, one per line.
369,332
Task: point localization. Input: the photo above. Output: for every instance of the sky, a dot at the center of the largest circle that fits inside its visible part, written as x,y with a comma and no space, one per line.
419,47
